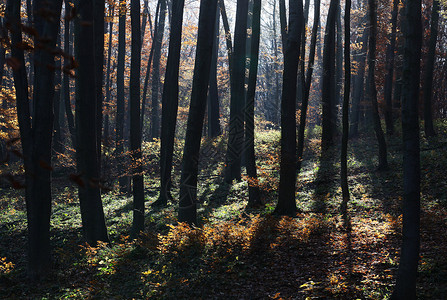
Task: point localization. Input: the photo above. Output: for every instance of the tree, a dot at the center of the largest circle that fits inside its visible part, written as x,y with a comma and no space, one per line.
108,80
308,81
170,103
68,65
236,126
158,39
388,88
87,157
120,104
405,287
250,158
213,93
345,117
99,15
428,76
372,91
135,128
188,182
36,136
286,202
328,88
359,84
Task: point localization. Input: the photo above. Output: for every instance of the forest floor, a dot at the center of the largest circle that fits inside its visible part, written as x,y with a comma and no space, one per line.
239,253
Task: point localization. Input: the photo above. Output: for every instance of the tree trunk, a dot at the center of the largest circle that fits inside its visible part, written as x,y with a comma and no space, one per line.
236,126
286,202
372,94
158,39
93,222
328,89
58,145
345,115
43,121
359,85
388,89
188,182
254,198
308,81
68,61
408,265
213,94
120,103
170,103
148,68
99,6
108,81
135,128
227,36
428,77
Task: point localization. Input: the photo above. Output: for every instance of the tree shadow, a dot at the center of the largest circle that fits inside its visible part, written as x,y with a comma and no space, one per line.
325,182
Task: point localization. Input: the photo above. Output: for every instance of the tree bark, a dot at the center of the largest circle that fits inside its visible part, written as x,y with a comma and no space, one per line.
108,81
429,68
345,115
388,88
158,39
359,84
286,202
93,222
405,287
254,198
98,7
68,61
236,126
372,94
308,81
188,182
170,103
213,93
135,128
328,89
120,104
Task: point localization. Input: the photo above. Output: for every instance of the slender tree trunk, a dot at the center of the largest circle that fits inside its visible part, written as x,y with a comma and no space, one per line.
372,94
338,65
58,145
236,126
359,85
428,76
92,213
120,103
228,41
170,103
308,81
286,202
43,121
345,116
408,265
68,64
254,198
213,94
108,81
98,7
158,39
283,24
148,69
188,182
328,92
276,98
135,128
388,89
38,237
